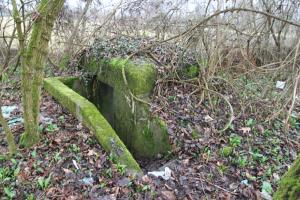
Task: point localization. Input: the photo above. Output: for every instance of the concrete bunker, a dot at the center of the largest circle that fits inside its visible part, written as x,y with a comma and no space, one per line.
120,89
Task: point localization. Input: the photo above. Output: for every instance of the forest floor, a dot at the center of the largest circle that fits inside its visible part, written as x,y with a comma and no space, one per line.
244,162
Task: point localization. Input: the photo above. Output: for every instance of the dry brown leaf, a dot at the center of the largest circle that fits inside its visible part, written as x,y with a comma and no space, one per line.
245,130
168,195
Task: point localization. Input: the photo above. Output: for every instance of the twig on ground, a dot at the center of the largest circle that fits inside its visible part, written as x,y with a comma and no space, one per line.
219,187
231,118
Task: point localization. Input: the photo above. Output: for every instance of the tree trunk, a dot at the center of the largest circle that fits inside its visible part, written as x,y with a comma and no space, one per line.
289,186
33,57
9,136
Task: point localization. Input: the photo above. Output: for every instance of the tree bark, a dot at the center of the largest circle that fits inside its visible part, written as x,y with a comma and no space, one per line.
33,57
9,136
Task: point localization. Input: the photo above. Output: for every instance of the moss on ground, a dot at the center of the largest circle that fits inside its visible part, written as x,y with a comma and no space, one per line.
89,115
289,186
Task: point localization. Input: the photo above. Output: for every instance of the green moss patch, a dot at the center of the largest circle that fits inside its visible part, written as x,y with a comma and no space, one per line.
226,151
89,115
289,186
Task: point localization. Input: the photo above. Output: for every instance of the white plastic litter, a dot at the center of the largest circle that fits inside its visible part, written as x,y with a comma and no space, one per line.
280,84
7,114
6,110
265,195
75,164
88,181
208,118
166,174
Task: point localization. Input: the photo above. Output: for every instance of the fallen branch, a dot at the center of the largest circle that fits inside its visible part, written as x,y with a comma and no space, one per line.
219,187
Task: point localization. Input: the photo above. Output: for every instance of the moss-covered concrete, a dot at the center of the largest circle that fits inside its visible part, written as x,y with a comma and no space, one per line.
140,77
89,115
289,186
145,135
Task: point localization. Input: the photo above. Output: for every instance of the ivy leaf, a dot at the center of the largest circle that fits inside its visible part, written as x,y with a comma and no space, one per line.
267,187
11,194
47,181
34,154
250,122
17,171
41,182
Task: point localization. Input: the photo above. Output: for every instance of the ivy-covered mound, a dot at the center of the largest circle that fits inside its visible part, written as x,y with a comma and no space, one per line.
160,54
